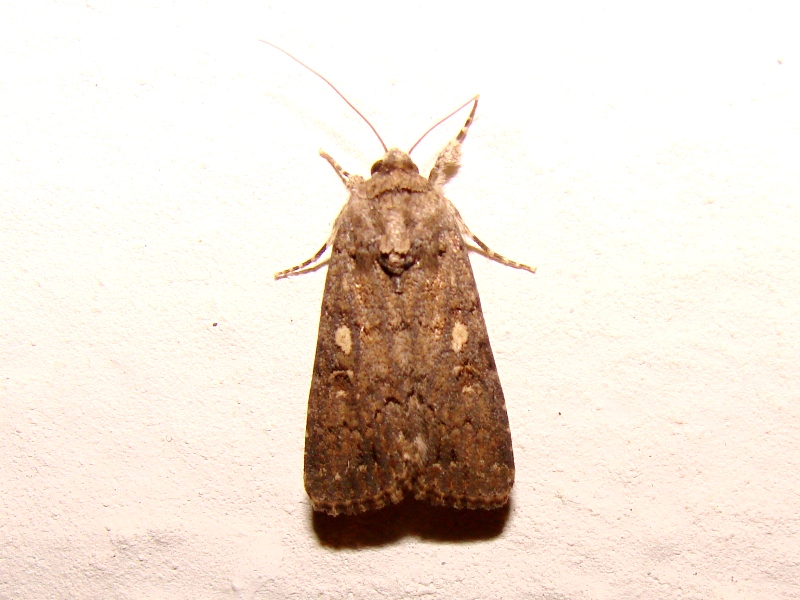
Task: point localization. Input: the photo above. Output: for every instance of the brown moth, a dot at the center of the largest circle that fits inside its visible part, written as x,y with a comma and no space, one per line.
405,396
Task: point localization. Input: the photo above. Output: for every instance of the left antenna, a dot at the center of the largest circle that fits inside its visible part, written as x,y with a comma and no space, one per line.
333,87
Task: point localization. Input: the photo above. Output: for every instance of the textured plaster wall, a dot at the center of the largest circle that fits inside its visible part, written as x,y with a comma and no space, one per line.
158,164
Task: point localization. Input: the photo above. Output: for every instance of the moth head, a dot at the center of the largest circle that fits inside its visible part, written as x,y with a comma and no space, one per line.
394,160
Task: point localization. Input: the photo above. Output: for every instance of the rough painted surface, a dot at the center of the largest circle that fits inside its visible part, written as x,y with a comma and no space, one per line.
158,164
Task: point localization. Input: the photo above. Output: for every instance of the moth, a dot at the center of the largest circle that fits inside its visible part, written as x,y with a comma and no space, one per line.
405,396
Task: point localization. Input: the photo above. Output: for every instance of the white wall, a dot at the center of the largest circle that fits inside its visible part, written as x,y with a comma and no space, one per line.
158,164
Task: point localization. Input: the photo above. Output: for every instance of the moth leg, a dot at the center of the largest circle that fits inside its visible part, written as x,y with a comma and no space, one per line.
449,159
463,133
488,252
447,164
303,265
343,175
349,181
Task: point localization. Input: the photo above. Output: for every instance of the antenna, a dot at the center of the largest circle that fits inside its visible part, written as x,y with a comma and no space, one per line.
350,104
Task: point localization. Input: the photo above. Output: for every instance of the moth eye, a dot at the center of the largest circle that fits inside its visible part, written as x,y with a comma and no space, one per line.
376,167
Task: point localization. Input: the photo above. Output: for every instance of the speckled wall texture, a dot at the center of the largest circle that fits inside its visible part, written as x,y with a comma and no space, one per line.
158,164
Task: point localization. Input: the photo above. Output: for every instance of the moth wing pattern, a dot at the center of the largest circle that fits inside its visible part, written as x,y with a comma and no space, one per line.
469,461
405,394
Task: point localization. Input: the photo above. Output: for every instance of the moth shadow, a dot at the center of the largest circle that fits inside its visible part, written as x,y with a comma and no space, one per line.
409,517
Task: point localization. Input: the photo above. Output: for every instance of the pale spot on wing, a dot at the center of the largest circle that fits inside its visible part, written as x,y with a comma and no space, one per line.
460,336
343,339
